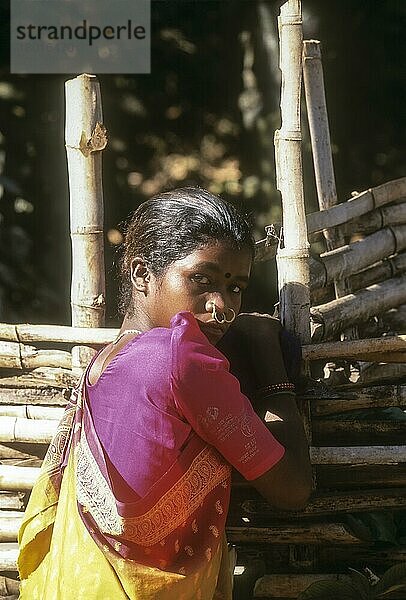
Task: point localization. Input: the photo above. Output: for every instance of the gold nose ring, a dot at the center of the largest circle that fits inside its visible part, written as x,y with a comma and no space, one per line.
220,317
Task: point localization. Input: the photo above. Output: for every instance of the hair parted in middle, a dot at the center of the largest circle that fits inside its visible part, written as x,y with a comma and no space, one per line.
171,225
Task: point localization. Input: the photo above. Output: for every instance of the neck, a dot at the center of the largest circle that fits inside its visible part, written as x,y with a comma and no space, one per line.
137,319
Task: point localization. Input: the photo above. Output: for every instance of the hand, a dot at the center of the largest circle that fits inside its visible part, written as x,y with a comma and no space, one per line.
252,345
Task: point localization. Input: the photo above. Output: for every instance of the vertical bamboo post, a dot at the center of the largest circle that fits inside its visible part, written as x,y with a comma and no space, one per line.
321,149
85,137
292,259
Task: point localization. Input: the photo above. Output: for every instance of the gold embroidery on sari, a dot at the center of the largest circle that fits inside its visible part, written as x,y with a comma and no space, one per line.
206,472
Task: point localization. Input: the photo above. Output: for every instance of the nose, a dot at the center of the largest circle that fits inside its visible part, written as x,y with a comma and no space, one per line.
216,299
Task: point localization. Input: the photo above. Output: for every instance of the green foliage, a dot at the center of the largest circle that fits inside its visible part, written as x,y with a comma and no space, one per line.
360,586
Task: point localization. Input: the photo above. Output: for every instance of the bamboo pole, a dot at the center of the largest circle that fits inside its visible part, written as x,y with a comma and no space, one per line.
317,533
14,355
326,503
356,431
12,501
290,585
19,479
321,150
360,476
15,429
292,259
27,333
335,316
10,522
394,214
28,411
45,379
352,349
357,256
389,267
8,556
380,396
358,455
32,396
85,137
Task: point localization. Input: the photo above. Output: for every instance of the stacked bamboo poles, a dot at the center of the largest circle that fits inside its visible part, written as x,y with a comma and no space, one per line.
292,259
85,138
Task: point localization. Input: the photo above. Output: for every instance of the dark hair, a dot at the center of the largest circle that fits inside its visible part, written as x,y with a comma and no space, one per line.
173,224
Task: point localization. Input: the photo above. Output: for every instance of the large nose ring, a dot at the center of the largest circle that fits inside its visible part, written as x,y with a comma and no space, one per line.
220,317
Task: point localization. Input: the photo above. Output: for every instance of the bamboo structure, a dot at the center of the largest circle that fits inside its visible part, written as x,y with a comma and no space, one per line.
344,213
85,137
292,259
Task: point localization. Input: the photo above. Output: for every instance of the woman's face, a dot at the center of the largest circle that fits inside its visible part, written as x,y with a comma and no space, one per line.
210,274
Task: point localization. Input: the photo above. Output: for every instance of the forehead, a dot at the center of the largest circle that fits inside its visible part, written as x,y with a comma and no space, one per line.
219,257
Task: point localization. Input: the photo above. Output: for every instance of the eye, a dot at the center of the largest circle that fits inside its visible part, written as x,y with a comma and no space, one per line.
198,278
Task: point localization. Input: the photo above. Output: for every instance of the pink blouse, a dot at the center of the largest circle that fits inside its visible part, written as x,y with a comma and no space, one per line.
165,387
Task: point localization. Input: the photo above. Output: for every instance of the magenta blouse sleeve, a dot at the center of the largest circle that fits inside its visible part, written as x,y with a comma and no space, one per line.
210,399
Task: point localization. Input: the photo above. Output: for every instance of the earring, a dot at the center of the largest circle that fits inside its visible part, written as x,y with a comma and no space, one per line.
221,317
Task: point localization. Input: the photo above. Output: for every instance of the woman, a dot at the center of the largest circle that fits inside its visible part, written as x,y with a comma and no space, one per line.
134,492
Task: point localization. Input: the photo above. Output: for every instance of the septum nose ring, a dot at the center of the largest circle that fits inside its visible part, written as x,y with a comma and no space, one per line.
220,317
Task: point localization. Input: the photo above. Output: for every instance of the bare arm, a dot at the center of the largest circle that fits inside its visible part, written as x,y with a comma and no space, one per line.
254,350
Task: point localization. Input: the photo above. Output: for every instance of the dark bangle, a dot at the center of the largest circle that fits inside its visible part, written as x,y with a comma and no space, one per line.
276,388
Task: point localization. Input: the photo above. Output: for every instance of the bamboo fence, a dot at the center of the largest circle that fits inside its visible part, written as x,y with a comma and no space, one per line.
359,465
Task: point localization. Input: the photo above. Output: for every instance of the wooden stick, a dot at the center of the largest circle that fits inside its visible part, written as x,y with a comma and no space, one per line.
85,137
358,455
291,585
42,378
18,356
10,522
18,478
356,398
332,502
335,316
394,214
12,501
318,533
57,333
8,556
24,397
27,411
14,429
292,260
352,349
389,267
355,431
359,255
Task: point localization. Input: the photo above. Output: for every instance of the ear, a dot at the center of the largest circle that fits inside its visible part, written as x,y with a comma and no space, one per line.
140,275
